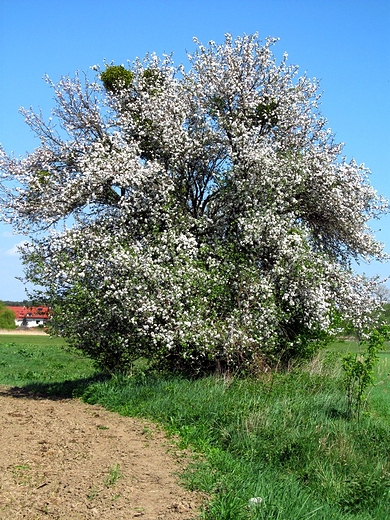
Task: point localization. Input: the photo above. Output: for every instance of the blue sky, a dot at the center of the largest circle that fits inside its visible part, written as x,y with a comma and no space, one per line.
344,43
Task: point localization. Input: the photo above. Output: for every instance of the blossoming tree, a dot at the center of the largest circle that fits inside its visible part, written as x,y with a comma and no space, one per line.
201,218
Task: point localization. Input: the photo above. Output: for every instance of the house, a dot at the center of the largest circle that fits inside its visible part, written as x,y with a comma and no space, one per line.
30,316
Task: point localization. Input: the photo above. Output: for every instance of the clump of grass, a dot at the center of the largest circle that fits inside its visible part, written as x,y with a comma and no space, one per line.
114,475
93,493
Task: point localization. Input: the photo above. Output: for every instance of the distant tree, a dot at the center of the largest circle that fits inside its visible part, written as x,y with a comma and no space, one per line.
213,220
7,317
383,292
386,313
17,303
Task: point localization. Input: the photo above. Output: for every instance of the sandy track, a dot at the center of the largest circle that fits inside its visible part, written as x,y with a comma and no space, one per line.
66,460
26,332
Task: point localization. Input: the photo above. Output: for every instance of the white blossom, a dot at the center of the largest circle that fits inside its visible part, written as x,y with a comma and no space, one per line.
194,215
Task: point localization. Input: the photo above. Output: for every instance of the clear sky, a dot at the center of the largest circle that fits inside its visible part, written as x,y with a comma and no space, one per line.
344,43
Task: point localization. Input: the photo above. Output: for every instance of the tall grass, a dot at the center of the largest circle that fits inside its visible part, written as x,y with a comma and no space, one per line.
286,439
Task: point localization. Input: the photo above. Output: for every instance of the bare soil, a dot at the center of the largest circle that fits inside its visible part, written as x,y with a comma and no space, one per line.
65,460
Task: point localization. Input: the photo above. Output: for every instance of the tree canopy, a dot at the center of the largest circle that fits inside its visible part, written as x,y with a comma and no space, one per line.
203,218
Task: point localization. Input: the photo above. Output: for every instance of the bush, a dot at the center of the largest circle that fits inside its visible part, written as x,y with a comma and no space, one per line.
7,318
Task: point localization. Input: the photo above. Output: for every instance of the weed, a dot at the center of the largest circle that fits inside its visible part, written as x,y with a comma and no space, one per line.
22,467
359,370
94,492
22,474
114,475
147,432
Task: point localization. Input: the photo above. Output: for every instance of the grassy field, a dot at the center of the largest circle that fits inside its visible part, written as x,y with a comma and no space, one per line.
42,363
281,447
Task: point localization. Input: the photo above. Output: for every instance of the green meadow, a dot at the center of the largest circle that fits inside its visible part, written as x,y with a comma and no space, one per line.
41,361
278,447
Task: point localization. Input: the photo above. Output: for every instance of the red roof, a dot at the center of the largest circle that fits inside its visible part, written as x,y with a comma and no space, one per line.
32,313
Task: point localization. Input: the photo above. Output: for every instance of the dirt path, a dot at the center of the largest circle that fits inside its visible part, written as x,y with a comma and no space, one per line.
24,332
65,460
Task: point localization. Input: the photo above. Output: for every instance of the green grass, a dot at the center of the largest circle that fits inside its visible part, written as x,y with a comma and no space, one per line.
285,438
41,340
347,345
42,364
